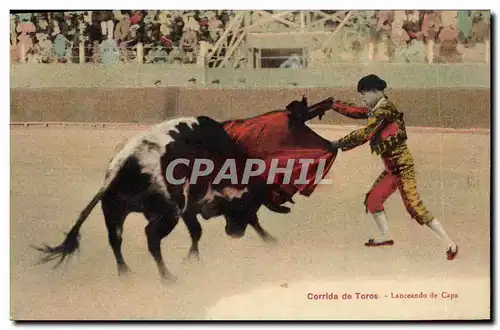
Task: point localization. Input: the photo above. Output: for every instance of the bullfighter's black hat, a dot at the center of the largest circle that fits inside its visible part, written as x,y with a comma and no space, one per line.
370,83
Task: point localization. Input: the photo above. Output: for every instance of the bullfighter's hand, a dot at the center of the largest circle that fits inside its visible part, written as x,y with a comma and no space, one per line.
335,145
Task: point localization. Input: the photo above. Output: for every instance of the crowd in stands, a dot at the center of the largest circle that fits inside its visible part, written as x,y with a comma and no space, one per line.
109,36
407,33
174,36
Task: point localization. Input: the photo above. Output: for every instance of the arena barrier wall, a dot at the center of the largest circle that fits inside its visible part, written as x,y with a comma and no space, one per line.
452,107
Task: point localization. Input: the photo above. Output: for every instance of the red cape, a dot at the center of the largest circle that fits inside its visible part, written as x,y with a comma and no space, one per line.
270,136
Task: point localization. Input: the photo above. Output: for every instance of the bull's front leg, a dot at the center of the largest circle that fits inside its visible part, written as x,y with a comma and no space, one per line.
264,235
194,228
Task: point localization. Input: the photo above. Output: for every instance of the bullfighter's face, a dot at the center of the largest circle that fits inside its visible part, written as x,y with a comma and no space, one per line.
370,98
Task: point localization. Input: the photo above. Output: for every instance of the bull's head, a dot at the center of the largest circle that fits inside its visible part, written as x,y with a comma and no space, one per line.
238,219
240,203
231,202
236,229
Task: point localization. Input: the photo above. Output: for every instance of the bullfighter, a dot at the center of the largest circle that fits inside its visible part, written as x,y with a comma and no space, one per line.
386,131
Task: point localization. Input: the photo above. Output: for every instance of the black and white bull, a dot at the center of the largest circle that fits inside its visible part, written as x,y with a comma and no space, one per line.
136,182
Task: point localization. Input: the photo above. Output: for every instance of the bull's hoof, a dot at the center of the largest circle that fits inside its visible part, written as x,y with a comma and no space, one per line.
278,208
236,235
123,270
169,278
193,256
269,239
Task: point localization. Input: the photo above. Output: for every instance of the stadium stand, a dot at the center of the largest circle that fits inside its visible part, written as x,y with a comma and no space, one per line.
259,39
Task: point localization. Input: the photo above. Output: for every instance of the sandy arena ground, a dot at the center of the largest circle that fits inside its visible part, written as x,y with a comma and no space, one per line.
56,171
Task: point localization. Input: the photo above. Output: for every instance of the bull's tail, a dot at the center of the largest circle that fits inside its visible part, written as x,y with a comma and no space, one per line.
71,242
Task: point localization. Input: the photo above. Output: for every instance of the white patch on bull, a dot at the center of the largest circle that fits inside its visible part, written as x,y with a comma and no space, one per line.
228,193
148,148
186,196
209,195
169,125
231,193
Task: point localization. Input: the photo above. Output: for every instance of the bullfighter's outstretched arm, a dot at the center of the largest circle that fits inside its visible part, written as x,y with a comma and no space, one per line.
362,135
350,110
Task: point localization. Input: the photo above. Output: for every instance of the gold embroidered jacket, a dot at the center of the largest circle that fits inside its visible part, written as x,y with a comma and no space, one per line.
386,129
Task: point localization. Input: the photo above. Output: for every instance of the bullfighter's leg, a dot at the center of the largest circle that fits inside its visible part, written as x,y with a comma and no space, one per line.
407,185
384,186
163,216
194,228
115,212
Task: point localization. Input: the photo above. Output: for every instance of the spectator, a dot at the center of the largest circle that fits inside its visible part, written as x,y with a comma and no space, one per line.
157,54
117,14
383,21
189,45
122,31
72,23
224,17
480,26
13,34
177,29
292,62
175,56
431,25
94,32
43,26
25,17
448,38
55,28
398,35
412,24
165,22
107,28
25,29
167,43
61,44
464,22
136,18
109,51
87,16
134,31
46,48
205,29
192,24
150,17
156,32
215,26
